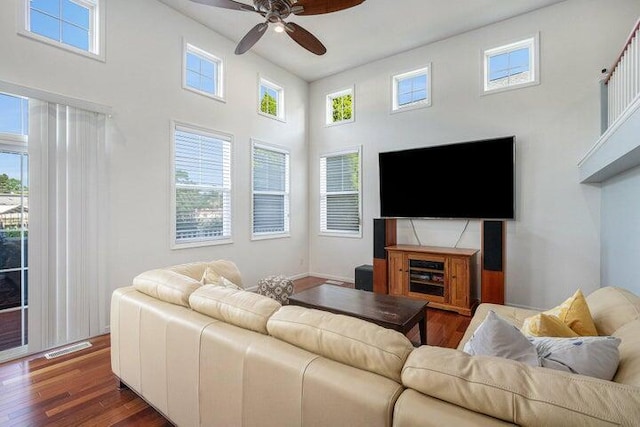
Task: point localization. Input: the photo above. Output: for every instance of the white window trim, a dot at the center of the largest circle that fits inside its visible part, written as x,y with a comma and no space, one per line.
263,81
277,234
534,58
172,186
337,233
329,106
97,46
189,48
395,108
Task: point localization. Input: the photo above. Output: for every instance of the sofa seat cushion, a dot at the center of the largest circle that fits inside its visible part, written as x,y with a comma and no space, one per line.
237,307
166,285
345,339
629,367
518,393
612,307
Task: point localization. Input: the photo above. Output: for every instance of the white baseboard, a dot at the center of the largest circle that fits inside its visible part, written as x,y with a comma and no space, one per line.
332,277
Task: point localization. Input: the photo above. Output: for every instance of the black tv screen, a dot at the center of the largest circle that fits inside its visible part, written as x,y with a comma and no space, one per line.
472,180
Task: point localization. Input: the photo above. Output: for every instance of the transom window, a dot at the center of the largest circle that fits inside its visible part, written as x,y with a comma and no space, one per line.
512,65
202,72
271,99
340,107
412,89
270,201
73,24
340,196
14,117
202,187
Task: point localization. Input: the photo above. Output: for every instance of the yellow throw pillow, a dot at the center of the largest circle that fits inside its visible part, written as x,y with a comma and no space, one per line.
544,325
574,312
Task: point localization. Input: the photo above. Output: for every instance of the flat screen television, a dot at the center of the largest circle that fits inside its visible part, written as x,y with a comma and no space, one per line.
467,180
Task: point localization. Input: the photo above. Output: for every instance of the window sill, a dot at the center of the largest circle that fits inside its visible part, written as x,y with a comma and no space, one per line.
270,116
349,235
198,244
508,88
411,107
203,93
270,236
341,122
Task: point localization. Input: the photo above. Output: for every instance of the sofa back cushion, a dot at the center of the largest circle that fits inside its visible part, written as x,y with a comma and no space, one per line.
345,339
166,285
237,307
629,366
613,307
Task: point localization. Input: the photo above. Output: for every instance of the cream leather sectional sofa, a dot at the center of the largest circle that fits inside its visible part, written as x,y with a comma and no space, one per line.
215,356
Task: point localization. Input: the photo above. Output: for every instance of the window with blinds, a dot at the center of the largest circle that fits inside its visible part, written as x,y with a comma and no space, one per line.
202,182
270,197
340,207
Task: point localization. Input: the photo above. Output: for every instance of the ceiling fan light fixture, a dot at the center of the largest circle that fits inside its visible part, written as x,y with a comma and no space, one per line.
278,27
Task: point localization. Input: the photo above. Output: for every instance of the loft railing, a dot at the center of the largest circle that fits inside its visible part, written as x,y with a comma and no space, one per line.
622,83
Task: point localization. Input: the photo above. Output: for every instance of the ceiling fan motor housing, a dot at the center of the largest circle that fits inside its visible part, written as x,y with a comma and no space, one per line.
274,10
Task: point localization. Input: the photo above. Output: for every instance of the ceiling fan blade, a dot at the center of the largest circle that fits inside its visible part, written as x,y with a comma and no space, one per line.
251,38
305,39
227,4
317,7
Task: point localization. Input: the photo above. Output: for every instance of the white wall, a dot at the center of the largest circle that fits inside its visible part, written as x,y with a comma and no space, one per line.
553,245
621,231
141,80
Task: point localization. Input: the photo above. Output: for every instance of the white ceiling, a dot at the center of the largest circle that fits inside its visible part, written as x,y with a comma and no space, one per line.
372,30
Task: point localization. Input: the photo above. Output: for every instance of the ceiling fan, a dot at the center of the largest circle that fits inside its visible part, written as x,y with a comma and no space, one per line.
276,11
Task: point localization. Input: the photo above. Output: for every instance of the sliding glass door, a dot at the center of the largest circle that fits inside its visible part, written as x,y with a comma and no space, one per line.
14,224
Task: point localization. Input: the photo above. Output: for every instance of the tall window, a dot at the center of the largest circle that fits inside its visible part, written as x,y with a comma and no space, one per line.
340,206
202,72
202,187
14,220
270,201
340,107
511,66
77,25
411,90
271,99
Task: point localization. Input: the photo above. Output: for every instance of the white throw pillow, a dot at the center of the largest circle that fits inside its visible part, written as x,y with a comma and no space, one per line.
593,356
497,337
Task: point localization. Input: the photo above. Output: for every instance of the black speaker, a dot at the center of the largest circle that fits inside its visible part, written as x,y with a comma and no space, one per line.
364,278
492,245
379,238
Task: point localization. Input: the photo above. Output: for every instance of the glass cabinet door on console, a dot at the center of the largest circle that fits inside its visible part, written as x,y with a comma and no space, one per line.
427,277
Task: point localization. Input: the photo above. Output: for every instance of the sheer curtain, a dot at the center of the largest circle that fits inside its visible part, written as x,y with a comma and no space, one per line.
69,200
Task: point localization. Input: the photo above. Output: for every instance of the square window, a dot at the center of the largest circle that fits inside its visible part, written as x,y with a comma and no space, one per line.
76,25
340,107
270,99
411,90
202,72
511,66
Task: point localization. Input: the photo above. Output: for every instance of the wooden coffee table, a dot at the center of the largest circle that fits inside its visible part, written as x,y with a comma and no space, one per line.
393,312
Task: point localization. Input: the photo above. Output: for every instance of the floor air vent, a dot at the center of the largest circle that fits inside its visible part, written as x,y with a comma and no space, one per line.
66,350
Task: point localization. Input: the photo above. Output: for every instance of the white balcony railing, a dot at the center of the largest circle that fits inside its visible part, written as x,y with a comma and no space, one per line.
623,79
618,148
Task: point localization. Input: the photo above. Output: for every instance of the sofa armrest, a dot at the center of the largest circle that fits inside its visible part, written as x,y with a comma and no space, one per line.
518,393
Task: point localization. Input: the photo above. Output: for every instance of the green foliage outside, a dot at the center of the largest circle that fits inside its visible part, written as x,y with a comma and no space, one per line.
342,108
269,105
198,211
11,185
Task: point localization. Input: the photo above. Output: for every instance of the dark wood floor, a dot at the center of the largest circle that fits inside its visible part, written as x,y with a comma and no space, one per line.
79,389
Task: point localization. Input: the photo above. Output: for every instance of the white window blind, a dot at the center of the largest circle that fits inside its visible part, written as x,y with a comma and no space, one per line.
340,193
68,225
202,180
270,168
